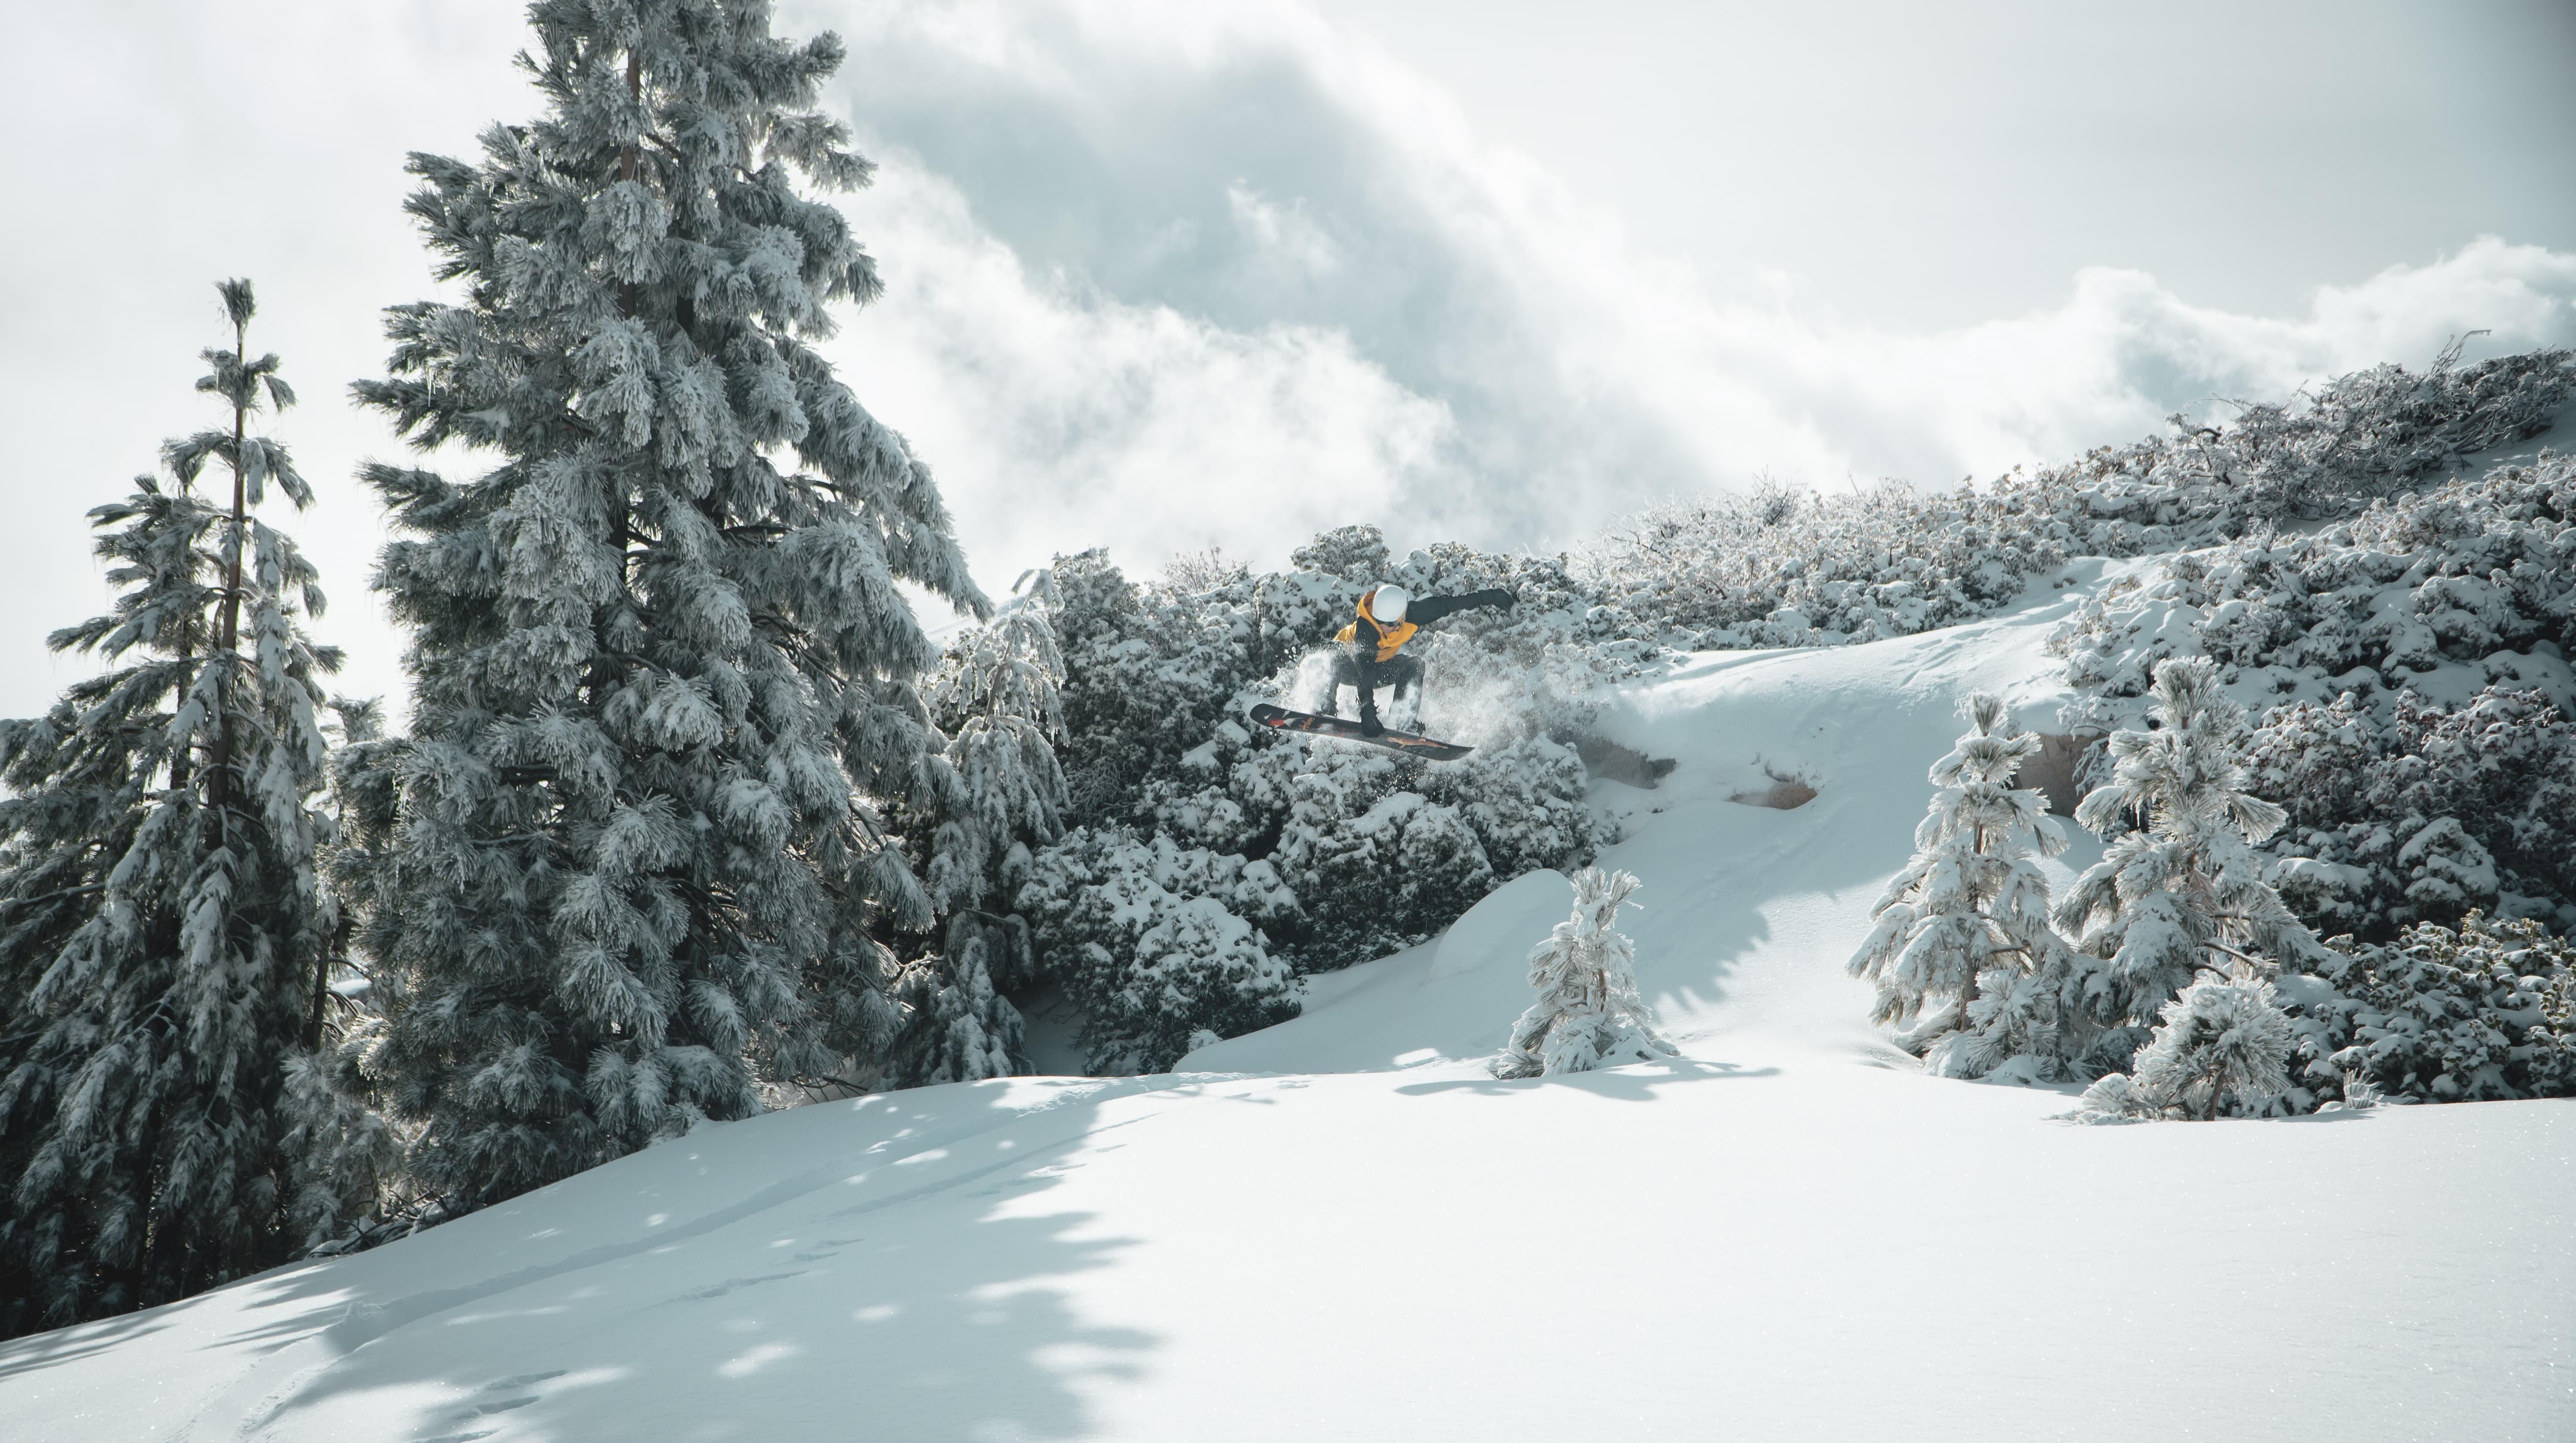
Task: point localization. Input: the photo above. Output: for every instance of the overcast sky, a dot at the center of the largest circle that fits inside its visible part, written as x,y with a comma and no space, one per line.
1172,273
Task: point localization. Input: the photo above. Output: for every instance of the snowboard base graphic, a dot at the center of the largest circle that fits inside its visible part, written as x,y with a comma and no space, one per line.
1405,742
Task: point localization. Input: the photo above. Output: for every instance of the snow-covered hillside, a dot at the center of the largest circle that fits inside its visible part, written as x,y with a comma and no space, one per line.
1342,1227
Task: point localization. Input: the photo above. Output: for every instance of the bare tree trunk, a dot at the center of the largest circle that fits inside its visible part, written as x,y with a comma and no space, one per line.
187,678
321,999
219,767
620,534
626,165
1969,993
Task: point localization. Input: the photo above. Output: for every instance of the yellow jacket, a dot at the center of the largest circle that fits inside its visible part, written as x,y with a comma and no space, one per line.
1390,639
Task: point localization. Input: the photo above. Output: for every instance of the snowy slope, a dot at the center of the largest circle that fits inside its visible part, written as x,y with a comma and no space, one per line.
1748,912
1341,1228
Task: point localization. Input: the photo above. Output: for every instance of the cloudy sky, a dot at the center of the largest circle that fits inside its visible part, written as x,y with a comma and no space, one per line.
1167,274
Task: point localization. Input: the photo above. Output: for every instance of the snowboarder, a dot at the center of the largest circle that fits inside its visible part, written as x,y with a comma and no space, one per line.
1372,645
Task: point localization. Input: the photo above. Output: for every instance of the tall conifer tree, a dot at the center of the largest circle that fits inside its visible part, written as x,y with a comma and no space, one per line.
162,934
660,640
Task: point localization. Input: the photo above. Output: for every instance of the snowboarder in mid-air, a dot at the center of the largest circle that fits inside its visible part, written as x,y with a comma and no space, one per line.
1372,649
1371,656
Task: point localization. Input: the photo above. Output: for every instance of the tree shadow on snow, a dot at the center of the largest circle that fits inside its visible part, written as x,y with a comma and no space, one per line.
1633,1082
39,1351
902,1286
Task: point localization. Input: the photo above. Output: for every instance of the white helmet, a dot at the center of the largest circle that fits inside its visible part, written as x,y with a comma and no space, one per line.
1389,604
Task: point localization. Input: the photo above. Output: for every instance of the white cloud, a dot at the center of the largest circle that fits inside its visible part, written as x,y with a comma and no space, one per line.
1059,418
1163,275
1545,370
1284,235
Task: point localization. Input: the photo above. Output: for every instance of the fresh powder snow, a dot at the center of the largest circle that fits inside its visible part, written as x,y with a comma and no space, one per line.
1343,1227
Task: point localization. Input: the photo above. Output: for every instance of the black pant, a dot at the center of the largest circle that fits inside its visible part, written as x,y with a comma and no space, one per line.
1367,674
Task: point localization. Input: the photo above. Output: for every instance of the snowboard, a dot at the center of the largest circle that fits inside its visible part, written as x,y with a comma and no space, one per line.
1332,726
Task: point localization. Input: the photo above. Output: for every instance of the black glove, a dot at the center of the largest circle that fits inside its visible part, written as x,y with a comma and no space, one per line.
1496,596
1369,726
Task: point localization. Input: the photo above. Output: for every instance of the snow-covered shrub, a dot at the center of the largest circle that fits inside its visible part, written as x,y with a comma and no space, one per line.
2471,575
2471,578
2375,839
1158,942
2486,1011
2223,1049
1963,929
1356,554
1524,801
2362,435
1587,1014
1377,874
2413,663
1784,567
1151,674
1373,851
2186,886
1208,570
1385,850
2503,764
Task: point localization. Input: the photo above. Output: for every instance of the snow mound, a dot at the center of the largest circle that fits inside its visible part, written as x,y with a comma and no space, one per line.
1785,794
1502,928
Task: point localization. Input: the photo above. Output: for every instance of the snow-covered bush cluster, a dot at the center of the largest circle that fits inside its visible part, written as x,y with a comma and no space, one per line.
1159,943
2406,662
1215,860
2413,660
2440,1015
1787,567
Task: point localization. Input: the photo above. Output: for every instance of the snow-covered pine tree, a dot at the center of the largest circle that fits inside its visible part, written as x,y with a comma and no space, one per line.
956,1026
1963,930
1001,698
999,695
2187,889
659,641
1588,1014
162,931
